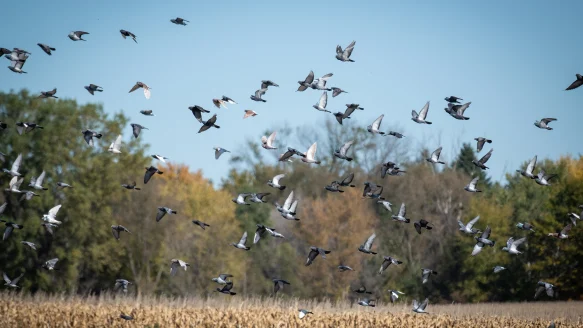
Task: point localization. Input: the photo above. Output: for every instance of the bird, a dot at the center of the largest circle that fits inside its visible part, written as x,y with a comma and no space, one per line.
51,216
226,289
469,228
320,84
126,34
401,216
343,268
498,268
258,197
289,213
249,113
25,127
47,49
209,123
268,83
483,160
222,279
387,261
302,313
37,183
28,195
116,229
420,118
77,35
147,112
471,187
125,316
321,104
525,226
544,287
395,134
386,204
350,108
311,155
162,211
482,241
574,217
344,55
286,157
543,123
91,88
175,264
17,61
366,302
334,187
115,146
29,244
422,224
552,325
50,264
241,243
273,233
197,112
457,111
267,142
201,224
12,283
274,182
341,153
48,94
64,185
420,308
14,185
10,226
337,91
307,82
512,245
226,99
434,159
240,199
219,151
278,285
453,99
258,94
577,83
362,290
314,251
543,178
136,129
143,86
88,135
150,171
529,169
121,284
286,208
426,273
394,295
365,248
346,182
563,234
375,126
372,191
179,21
481,141
160,158
259,232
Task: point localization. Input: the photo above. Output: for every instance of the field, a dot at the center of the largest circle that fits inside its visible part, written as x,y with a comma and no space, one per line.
75,311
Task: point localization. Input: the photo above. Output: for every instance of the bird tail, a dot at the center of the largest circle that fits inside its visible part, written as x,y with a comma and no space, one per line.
216,126
137,188
493,243
352,186
373,253
340,190
440,162
407,220
247,248
349,159
478,190
45,188
160,172
99,135
317,162
428,227
371,305
174,212
281,187
232,293
352,61
428,122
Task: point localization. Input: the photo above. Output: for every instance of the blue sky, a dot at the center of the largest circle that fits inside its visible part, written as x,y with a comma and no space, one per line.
513,60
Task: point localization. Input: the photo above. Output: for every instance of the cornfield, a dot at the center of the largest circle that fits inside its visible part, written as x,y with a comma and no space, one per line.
104,311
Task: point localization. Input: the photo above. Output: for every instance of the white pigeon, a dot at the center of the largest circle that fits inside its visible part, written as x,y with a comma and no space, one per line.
52,215
529,169
115,146
275,182
471,187
434,159
160,158
241,243
286,206
420,118
15,167
14,185
512,245
321,105
267,142
375,126
311,155
289,214
37,183
386,204
469,228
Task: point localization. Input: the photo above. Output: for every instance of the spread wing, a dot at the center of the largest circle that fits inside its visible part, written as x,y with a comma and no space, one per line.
15,281
531,165
470,224
271,138
16,164
243,238
435,155
486,157
277,178
288,201
402,210
345,147
348,179
311,154
148,175
481,143
423,112
519,241
414,114
311,256
486,233
115,233
6,277
39,180
369,241
117,143
547,120
474,182
462,108
323,100
292,209
135,87
566,229
53,211
377,123
174,268
310,77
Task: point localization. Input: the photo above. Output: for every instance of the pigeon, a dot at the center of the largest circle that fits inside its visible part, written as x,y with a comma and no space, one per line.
307,82
483,160
469,228
17,60
37,183
88,135
11,283
321,104
222,279
273,233
25,127
116,229
344,55
563,234
274,182
47,49
91,88
314,251
453,99
14,185
425,273
471,187
64,185
28,195
457,111
337,91
401,216
422,224
512,245
175,264
311,155
374,127
141,85
49,227
210,122
386,204
420,308
395,134
498,268
543,123
267,142
150,171
197,112
574,217
259,232
334,187
544,286
366,302
48,94
136,129
290,213
125,316
179,21
346,182
228,100
343,268
77,35
286,208
481,141
10,226
115,146
387,261
219,102
50,264
258,94
51,216
395,295
365,248
434,159
543,179
577,83
258,197
372,190
320,84
350,108
278,285
529,169
341,153
241,243
249,113
420,118
302,313
162,211
219,151
268,83
201,224
147,112
160,158
226,289
121,283
525,226
240,199
482,241
126,34
362,290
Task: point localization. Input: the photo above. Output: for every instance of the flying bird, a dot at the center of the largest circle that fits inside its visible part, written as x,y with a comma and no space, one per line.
51,216
121,284
147,112
372,190
115,146
337,91
268,83
136,129
47,49
50,264
162,211
77,35
88,135
434,159
544,287
37,183
386,204
274,182
469,228
249,113
341,153
577,83
543,178
525,226
512,245
64,185
150,171
395,134
25,127
457,111
321,104
116,229
529,172
175,264
420,308
241,243
481,141
401,217
10,226
17,60
334,187
197,112
14,185
307,82
226,289
346,182
311,155
209,123
222,279
350,108
343,268
482,241
483,160
574,217
240,199
201,224
258,197
498,268
367,302
395,295
259,232
426,273
91,88
267,142
126,34
219,102
219,151
471,187
375,126
543,123
365,248
12,283
387,261
420,118
49,227
15,167
141,85
563,234
258,94
179,21
228,100
344,55
453,99
29,244
320,84
314,252
302,313
48,94
278,285
422,224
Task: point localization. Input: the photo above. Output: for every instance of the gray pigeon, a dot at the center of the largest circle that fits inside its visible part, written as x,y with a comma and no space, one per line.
469,228
64,185
226,289
121,284
197,112
471,187
365,248
512,245
343,268
344,55
126,34
401,217
482,241
525,226
303,313
162,211
240,199
175,264
395,134
483,160
91,88
346,182
314,251
50,264
15,167
420,308
395,295
136,129
453,99
543,123
48,94
131,186
350,108
577,83
116,229
481,141
209,123
320,84
367,302
543,178
274,182
47,49
422,224
126,317
26,127
434,159
334,187
362,290
425,273
278,285
341,153
77,35
222,279
179,21
268,83
258,197
337,91
529,172
10,226
544,286
422,115
258,94
387,261
88,135
29,244
498,268
201,224
219,151
321,104
147,112
242,242
11,283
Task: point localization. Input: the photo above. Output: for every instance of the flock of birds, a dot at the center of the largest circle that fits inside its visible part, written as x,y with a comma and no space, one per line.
288,210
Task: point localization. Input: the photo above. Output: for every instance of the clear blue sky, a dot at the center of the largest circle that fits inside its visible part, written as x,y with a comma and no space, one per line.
512,59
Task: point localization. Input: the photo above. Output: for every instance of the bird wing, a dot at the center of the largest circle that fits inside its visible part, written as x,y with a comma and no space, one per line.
148,175
470,224
461,109
474,182
417,227
271,138
6,277
52,262
16,164
349,110
531,165
415,305
577,83
277,178
423,112
481,143
325,78
519,241
115,233
3,207
288,201
323,100
402,210
538,291
293,206
414,114
369,241
348,179
486,233
53,211
566,229
310,78
7,232
345,147
117,143
377,123
15,280
435,155
311,256
338,50
424,304
174,268
39,180
135,87
18,183
486,157
243,238
547,120
136,129
311,153
160,215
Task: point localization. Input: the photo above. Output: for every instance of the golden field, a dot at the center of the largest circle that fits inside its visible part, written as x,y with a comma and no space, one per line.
104,311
